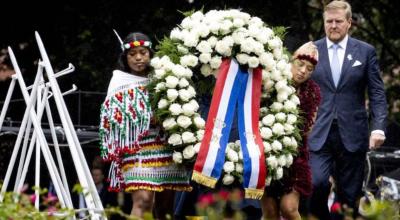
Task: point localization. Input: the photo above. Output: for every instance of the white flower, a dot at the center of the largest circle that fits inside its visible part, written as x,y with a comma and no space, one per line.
162,103
159,73
183,83
277,53
282,96
272,162
194,104
172,94
189,60
291,119
156,63
281,85
160,86
276,146
169,123
282,160
276,75
197,147
232,155
177,157
289,160
294,143
274,43
265,132
242,58
205,58
183,49
171,82
190,40
228,179
289,106
229,166
268,120
278,129
184,95
239,168
179,70
280,117
253,62
223,48
188,137
289,128
240,155
206,69
200,135
238,22
215,62
175,139
204,47
267,60
212,41
247,45
267,147
191,91
184,121
199,122
295,99
188,109
188,152
287,141
175,109
279,173
276,106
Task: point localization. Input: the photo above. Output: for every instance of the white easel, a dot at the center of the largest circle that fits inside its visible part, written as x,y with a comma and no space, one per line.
40,94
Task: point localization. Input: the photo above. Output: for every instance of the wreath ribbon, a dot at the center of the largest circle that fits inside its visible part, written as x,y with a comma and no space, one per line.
235,88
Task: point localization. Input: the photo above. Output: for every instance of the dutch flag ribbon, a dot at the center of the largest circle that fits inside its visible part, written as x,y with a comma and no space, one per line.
235,88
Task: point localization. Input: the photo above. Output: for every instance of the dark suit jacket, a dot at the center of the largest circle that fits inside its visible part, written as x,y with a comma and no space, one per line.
347,101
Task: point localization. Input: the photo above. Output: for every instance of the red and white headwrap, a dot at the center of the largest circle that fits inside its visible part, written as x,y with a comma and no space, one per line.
307,51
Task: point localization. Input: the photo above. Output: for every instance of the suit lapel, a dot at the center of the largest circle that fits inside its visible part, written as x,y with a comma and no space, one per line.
349,56
324,61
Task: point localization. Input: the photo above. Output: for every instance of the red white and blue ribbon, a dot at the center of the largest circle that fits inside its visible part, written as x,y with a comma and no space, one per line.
235,88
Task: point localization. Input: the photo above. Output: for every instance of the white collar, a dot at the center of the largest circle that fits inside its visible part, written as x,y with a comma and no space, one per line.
342,43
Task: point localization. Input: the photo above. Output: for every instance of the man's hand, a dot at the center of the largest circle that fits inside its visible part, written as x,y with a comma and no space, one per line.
376,140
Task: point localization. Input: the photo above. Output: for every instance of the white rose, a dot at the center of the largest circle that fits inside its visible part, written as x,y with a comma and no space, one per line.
247,46
169,123
269,84
265,132
263,110
282,96
162,103
268,120
197,147
172,94
188,137
289,160
184,121
199,122
280,85
279,173
177,157
267,147
205,58
295,99
253,62
171,82
276,75
188,109
278,129
200,135
175,139
179,71
294,143
242,58
229,166
212,41
276,106
277,53
188,152
276,146
189,60
232,155
282,160
228,179
281,65
183,83
159,73
240,155
191,91
184,95
286,141
194,104
182,49
155,62
160,86
175,109
190,40
206,70
204,47
280,117
291,119
239,168
238,22
272,162
267,60
289,128
223,48
274,43
215,62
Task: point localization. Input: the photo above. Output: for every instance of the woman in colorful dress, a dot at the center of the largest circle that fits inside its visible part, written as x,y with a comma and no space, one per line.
282,197
130,140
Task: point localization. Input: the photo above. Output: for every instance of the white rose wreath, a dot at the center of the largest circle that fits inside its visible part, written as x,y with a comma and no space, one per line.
199,45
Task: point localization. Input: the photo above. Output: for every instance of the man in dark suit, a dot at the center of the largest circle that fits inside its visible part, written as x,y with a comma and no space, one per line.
338,143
